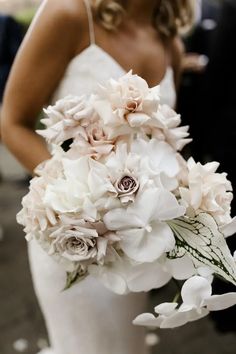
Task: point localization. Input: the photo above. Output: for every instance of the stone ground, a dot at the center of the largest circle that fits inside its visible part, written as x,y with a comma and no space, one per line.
20,316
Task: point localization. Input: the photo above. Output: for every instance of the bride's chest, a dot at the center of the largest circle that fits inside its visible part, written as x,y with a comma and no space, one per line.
143,53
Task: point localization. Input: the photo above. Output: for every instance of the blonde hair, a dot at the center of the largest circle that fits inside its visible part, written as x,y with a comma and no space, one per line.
170,17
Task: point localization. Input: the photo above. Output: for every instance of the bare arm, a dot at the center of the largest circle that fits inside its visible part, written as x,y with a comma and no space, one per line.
41,61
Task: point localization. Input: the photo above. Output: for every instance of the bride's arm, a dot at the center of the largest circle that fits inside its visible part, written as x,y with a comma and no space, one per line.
46,50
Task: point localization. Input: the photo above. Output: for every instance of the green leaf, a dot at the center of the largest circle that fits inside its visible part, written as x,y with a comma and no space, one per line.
201,239
75,277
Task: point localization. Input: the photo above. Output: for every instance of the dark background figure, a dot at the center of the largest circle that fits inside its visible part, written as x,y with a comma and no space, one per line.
220,125
11,35
198,46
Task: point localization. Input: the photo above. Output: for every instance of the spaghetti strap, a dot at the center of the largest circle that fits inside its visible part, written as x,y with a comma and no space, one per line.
90,21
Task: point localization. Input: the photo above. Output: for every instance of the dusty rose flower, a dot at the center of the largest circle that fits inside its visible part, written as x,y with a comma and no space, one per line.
76,240
127,104
126,187
66,119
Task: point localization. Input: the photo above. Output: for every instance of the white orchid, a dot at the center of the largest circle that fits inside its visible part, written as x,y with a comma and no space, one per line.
197,302
144,235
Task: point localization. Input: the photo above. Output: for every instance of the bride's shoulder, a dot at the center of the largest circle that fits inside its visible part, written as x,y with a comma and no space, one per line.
69,14
63,23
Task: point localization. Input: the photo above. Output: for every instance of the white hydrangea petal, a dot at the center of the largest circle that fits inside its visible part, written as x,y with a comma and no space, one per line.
146,276
181,268
111,279
147,246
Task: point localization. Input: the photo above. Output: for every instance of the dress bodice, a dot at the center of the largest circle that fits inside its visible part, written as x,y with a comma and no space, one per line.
94,66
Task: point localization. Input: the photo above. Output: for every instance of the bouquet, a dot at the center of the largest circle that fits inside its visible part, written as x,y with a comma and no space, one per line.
121,204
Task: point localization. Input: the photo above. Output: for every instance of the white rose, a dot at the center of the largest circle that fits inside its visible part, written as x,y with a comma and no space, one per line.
168,128
94,141
66,119
207,191
126,104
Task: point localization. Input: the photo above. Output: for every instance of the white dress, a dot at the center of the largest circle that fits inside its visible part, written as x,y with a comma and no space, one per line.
88,318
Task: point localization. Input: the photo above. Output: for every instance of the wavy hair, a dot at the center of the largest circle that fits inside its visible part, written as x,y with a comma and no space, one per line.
169,18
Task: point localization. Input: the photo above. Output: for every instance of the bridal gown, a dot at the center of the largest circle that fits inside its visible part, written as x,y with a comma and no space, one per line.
88,318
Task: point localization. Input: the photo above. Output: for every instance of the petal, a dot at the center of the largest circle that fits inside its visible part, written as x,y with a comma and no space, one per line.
147,319
195,290
146,276
109,278
147,246
137,119
177,319
167,206
229,229
220,302
166,308
181,268
119,219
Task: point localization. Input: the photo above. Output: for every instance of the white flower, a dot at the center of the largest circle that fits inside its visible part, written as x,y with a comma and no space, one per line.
77,240
85,181
181,268
197,302
157,157
66,119
124,275
229,229
35,216
92,141
167,128
144,235
208,191
148,162
126,103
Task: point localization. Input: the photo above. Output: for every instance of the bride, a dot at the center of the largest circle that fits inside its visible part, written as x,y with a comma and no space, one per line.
70,47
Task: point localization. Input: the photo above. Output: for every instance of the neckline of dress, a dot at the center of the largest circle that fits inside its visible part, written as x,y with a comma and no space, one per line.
110,57
92,46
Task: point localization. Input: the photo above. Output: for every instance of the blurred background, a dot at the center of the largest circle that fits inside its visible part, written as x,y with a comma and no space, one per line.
206,101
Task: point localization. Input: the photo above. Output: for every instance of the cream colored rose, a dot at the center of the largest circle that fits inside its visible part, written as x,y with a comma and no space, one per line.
126,104
94,142
207,190
66,119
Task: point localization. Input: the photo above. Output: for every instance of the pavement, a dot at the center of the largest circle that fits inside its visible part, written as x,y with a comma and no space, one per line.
22,327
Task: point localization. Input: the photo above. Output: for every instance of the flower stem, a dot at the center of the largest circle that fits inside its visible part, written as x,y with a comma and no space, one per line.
176,298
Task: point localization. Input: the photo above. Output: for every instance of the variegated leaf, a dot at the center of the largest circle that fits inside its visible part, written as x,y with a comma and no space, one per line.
201,239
